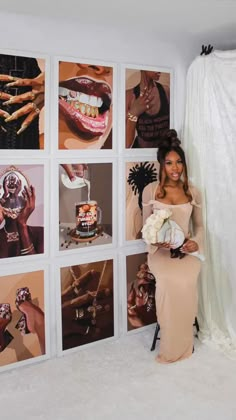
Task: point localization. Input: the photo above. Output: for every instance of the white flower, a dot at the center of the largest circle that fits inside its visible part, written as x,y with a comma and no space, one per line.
163,213
151,219
149,234
153,225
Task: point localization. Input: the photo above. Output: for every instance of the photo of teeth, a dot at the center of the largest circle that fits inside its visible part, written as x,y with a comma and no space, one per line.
85,106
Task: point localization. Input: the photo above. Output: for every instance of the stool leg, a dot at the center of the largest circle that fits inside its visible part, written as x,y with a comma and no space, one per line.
155,337
196,325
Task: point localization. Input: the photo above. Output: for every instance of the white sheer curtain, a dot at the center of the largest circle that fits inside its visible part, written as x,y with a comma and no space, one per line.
210,143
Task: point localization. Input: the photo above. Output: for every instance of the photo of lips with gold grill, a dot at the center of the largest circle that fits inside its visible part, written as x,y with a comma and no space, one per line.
85,106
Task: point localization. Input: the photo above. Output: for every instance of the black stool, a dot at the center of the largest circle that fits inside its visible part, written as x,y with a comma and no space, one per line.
155,338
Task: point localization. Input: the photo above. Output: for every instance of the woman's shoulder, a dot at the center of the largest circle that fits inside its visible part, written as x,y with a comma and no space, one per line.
196,194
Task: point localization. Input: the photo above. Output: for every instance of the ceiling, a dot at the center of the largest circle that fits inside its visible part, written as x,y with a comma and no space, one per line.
212,19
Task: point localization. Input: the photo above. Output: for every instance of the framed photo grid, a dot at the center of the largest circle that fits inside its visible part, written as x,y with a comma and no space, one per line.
71,199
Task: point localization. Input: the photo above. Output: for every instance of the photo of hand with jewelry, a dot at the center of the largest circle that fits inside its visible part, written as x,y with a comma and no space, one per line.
85,206
87,303
22,81
85,106
147,107
22,321
138,176
141,285
21,215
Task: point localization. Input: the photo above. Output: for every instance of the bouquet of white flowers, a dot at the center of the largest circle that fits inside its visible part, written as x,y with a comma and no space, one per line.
159,228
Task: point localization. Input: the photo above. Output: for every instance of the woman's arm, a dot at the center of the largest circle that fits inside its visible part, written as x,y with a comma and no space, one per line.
134,108
196,242
197,222
27,247
148,194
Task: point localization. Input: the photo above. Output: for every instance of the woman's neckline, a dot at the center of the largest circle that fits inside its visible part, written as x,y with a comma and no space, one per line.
174,205
167,204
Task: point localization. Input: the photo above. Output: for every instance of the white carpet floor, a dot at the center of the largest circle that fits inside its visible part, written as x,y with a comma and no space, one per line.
121,380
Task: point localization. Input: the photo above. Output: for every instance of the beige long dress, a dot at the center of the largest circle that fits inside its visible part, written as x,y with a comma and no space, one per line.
176,279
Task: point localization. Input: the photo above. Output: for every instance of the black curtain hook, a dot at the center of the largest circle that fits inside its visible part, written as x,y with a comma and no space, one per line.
206,49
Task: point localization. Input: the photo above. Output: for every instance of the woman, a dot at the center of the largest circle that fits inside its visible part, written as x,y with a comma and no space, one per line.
176,288
147,111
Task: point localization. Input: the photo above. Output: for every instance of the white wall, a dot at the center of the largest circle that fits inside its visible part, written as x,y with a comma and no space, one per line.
116,45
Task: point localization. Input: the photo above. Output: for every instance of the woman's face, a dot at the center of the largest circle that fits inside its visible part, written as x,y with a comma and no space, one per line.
85,101
153,75
12,183
173,166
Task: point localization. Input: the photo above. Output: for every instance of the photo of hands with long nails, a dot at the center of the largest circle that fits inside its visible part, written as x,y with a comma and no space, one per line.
141,285
87,303
85,106
22,324
22,82
147,107
17,205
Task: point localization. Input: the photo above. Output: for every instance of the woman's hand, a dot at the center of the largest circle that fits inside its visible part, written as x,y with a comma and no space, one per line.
81,285
75,170
189,246
35,96
140,104
1,214
29,196
166,245
79,169
5,190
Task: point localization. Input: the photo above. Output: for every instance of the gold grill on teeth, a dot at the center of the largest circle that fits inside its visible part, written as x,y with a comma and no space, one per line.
90,111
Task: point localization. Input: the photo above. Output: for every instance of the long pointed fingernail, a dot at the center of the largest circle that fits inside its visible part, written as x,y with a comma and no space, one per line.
3,129
12,82
8,119
23,127
9,102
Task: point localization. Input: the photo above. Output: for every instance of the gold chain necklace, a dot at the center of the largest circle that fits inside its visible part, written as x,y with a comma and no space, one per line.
11,236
